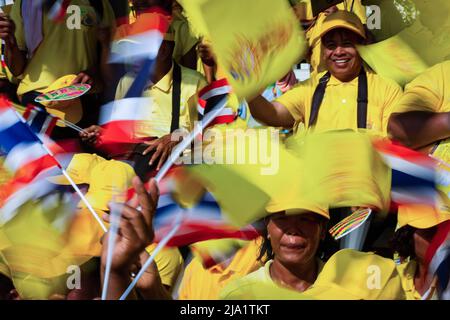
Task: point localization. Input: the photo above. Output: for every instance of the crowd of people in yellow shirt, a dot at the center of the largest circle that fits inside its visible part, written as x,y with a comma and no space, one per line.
294,257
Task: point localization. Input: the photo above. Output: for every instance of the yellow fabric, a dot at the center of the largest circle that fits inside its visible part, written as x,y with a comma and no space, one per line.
342,169
358,9
422,216
184,38
79,169
204,284
169,262
160,112
407,271
109,181
248,286
339,106
4,269
348,274
78,47
242,183
255,50
343,19
428,92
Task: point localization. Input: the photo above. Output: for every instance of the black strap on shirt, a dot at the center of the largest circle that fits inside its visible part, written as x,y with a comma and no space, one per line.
176,95
319,93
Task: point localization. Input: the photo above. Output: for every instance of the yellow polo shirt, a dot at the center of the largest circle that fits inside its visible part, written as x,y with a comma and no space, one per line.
159,115
407,271
339,106
430,91
204,284
62,51
237,289
169,263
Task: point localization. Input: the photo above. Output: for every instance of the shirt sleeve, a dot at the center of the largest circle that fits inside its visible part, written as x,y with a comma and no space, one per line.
294,101
393,93
425,93
16,16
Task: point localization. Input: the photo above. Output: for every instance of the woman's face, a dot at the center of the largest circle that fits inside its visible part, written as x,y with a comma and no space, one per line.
295,238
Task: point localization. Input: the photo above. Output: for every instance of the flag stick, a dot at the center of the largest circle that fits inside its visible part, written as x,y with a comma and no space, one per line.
73,184
116,211
165,168
210,116
159,247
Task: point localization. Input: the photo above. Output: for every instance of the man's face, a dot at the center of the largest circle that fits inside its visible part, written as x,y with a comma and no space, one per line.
341,57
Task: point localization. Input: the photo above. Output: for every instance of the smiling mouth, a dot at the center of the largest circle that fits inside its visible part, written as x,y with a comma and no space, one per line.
292,246
341,61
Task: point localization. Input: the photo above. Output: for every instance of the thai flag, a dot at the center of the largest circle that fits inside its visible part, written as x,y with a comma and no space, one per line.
438,260
58,10
200,223
119,120
39,120
142,39
26,156
204,221
209,96
413,174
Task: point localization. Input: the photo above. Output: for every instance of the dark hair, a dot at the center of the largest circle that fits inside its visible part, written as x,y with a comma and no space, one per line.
402,242
327,246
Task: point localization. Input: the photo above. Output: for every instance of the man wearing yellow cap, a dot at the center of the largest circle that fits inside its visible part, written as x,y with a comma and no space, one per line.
347,96
417,225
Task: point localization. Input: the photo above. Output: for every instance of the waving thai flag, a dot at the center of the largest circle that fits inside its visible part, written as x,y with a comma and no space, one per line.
413,174
58,10
209,96
26,158
142,39
438,260
40,120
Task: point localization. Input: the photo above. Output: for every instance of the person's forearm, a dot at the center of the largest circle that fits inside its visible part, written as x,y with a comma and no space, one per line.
150,286
417,129
15,58
269,114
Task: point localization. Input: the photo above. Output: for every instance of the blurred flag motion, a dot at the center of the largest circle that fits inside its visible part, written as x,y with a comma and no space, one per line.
256,44
423,41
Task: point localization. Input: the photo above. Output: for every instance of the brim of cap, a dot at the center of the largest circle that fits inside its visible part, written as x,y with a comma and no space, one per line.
61,180
332,26
292,208
421,217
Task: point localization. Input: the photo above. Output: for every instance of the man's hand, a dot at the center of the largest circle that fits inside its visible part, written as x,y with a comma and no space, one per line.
163,147
83,77
91,135
206,54
135,228
7,29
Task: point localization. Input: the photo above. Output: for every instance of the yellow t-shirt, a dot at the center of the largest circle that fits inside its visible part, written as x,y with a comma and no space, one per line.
251,282
169,263
407,271
184,38
430,91
159,115
204,284
339,106
62,51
